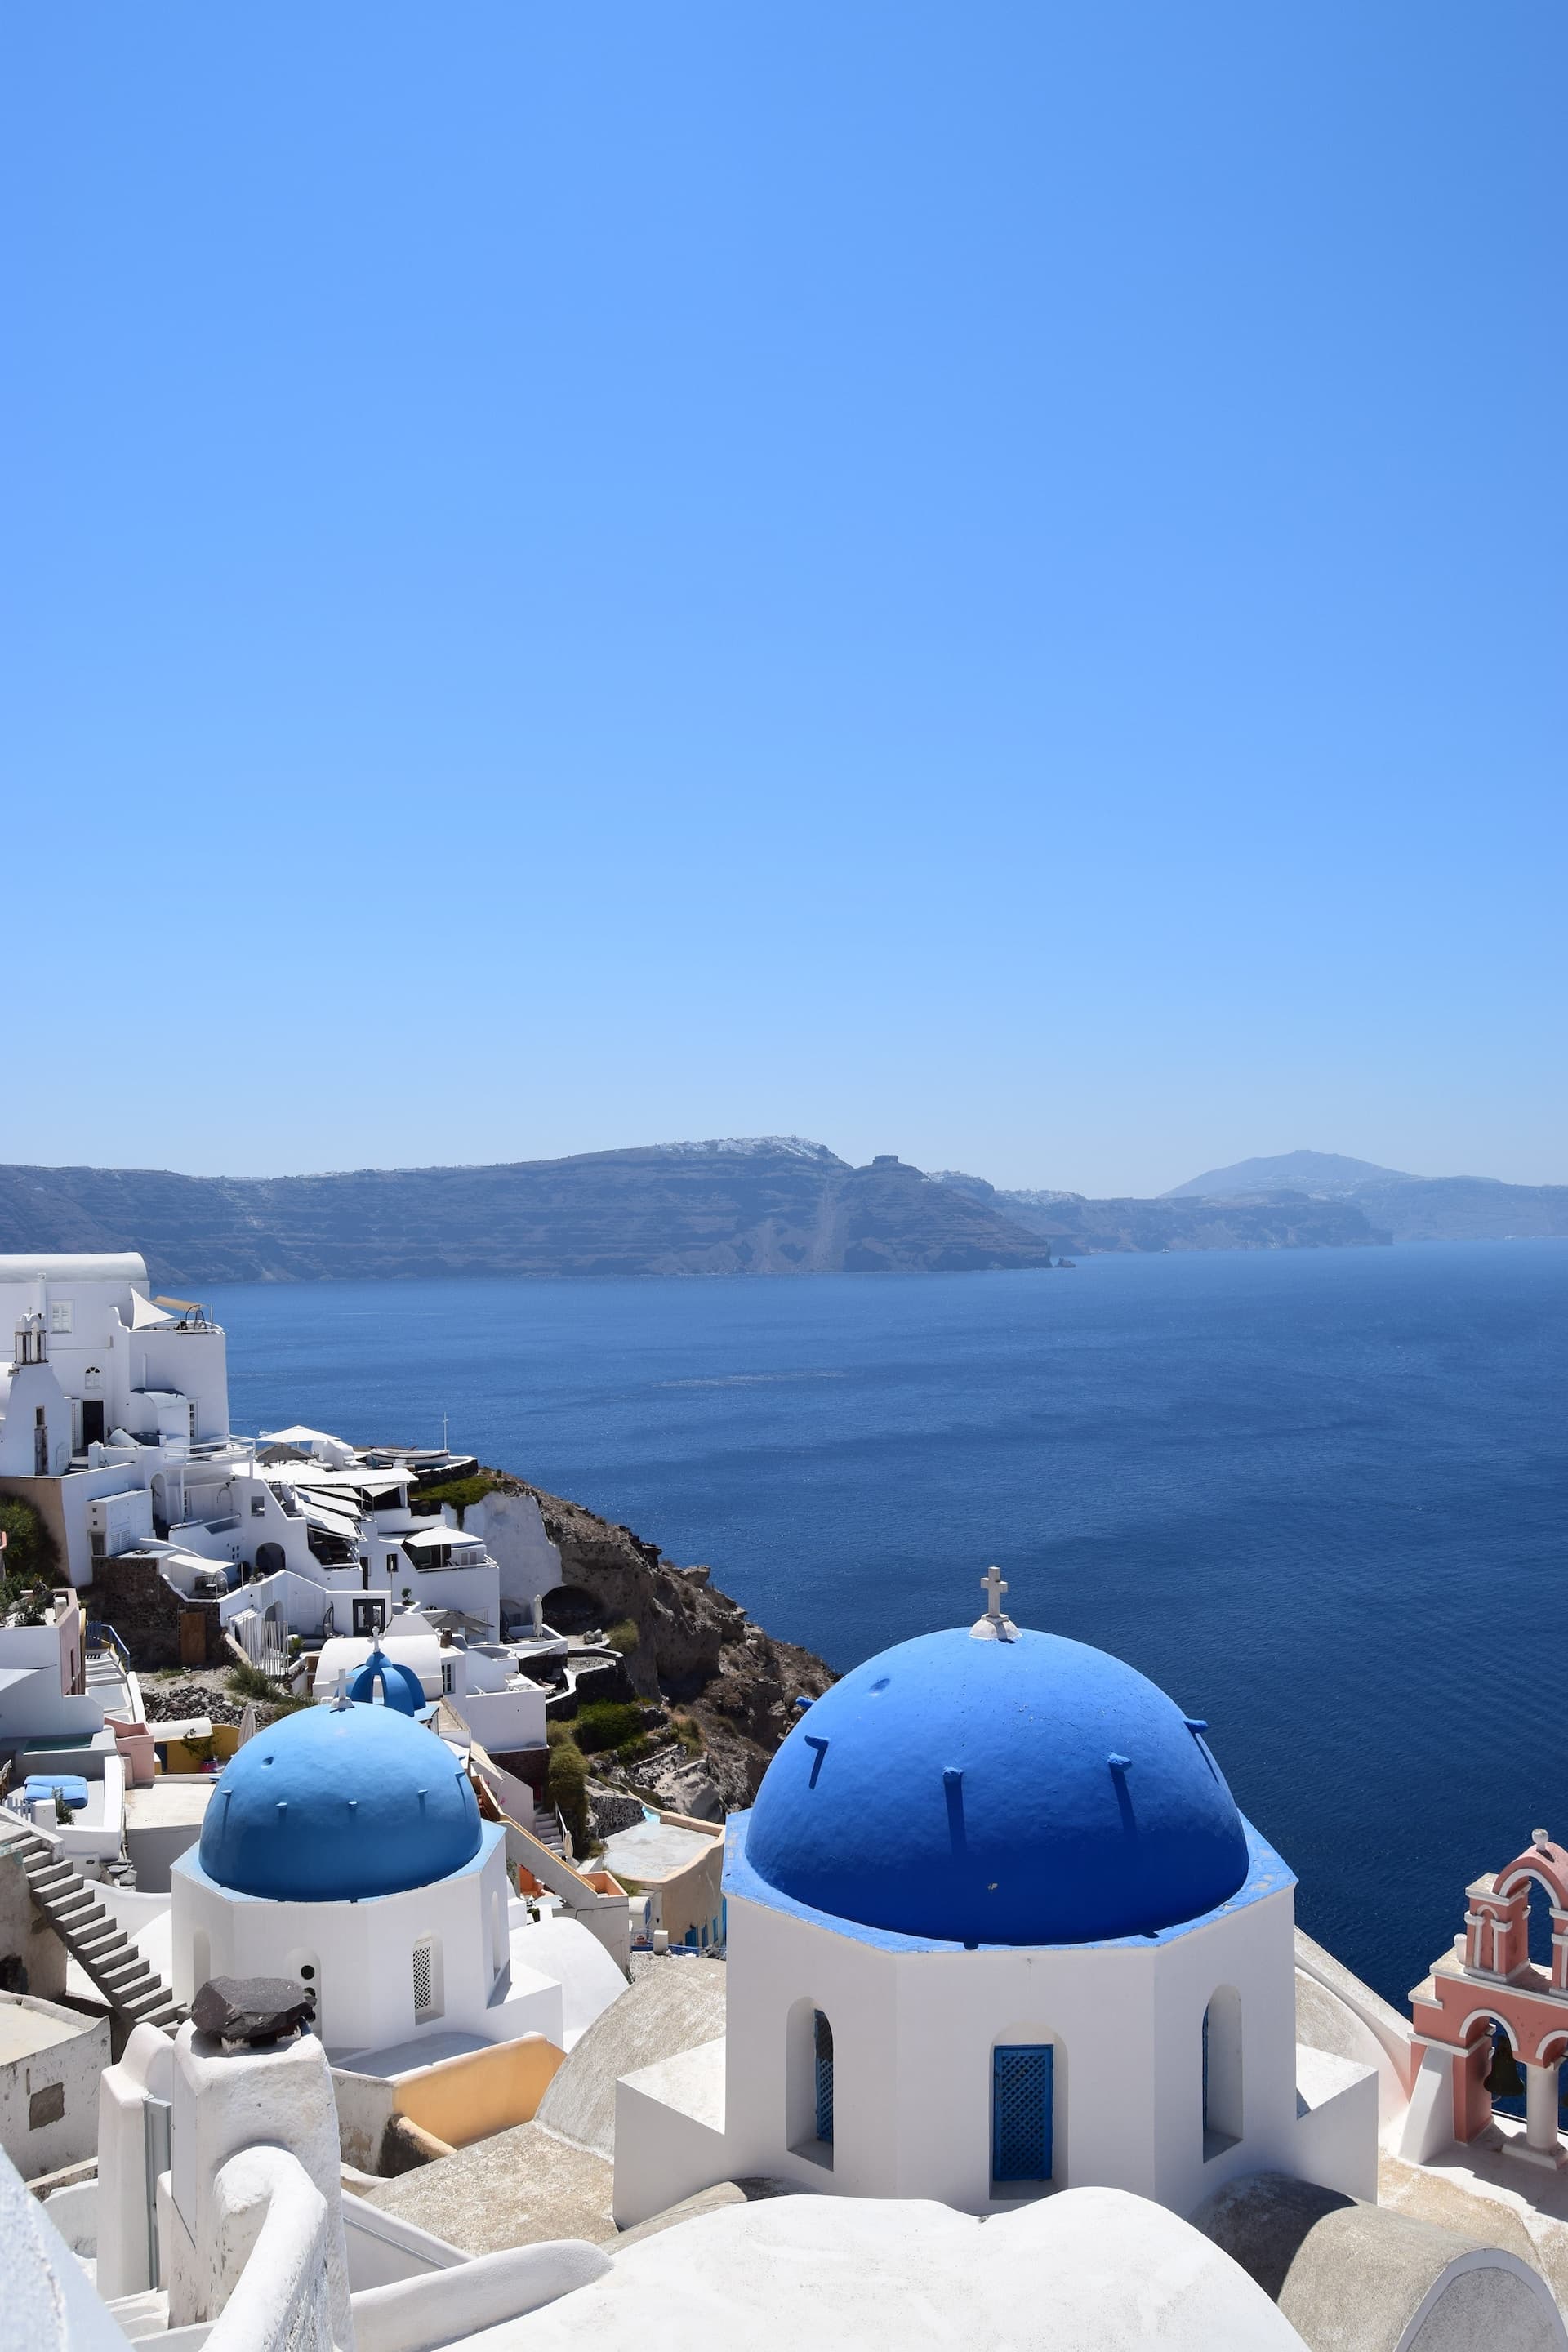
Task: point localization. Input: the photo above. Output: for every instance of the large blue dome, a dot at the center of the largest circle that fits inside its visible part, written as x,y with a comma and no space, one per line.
1031,1791
337,1802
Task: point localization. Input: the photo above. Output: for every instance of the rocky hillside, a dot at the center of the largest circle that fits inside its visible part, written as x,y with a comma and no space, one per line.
774,1205
1073,1227
695,1649
1408,1208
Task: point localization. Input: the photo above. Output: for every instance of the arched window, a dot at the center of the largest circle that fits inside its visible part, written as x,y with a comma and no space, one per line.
1539,1926
1222,2072
1023,2115
822,2052
427,1988
1505,2077
808,2084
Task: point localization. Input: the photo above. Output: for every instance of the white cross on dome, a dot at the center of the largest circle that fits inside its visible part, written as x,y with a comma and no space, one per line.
993,1626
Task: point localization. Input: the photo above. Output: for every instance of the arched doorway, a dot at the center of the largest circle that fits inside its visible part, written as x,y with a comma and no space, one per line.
569,1610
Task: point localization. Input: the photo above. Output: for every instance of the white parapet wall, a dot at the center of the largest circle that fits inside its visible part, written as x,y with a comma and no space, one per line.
126,2201
227,2102
1336,2124
511,1527
50,2061
669,2132
267,2269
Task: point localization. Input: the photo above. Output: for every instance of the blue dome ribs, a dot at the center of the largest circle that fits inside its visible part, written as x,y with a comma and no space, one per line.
953,1789
289,1826
1087,1806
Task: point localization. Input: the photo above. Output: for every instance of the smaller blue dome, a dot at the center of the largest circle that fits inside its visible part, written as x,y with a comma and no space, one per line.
337,1804
399,1685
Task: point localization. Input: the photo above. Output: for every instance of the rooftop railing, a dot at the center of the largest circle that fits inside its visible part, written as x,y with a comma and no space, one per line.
102,1636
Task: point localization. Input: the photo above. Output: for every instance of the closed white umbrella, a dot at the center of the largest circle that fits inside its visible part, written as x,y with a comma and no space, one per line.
248,1723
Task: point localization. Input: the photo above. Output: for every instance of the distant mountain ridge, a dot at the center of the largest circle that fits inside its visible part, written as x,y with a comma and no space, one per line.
1075,1227
1288,1171
1411,1208
757,1204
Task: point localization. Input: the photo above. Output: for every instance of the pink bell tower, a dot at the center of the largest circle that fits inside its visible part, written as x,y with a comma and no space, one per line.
1489,1978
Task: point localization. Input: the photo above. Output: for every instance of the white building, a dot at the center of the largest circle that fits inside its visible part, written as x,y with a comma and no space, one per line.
503,1708
114,1424
996,1929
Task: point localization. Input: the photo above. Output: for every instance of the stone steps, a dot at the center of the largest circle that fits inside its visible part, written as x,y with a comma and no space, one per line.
127,1981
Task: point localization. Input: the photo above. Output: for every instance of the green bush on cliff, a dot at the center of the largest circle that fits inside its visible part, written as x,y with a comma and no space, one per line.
566,1785
607,1723
622,1637
459,1492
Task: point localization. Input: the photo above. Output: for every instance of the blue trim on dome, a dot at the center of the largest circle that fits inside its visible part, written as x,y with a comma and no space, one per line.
338,1804
1267,1873
1029,1791
188,1864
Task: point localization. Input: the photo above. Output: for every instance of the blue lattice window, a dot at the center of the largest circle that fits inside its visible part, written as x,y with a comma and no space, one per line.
1021,2121
822,2042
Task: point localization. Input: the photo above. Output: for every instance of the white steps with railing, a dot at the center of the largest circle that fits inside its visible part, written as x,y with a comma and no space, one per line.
91,1935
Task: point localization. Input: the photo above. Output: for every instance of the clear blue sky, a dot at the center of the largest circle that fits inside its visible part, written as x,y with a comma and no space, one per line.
979,580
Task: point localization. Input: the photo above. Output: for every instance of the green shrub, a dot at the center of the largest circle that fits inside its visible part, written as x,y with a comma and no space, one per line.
566,1787
607,1723
249,1682
29,1556
459,1492
622,1637
689,1733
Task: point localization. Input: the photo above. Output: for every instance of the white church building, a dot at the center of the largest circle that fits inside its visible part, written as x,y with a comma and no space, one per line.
343,1848
997,1928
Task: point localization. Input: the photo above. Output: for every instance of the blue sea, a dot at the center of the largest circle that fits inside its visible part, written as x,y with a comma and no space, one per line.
1320,1498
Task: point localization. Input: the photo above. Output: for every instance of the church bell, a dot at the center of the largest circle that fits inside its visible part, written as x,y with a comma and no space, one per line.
1504,2081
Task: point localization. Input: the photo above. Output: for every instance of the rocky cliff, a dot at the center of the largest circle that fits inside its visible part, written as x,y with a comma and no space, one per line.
769,1205
695,1650
1075,1227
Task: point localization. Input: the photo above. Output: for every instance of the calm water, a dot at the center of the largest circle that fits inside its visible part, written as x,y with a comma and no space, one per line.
1320,1498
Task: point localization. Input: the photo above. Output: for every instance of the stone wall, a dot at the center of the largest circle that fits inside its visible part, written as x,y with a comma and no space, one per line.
129,1592
32,1956
49,2094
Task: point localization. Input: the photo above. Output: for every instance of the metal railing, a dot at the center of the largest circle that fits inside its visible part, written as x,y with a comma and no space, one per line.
263,1640
102,1636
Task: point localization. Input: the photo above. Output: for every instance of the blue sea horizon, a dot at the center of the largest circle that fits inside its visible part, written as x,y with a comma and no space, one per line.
1318,1496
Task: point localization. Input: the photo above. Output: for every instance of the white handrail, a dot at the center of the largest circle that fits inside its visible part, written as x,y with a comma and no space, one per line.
271,2250
418,2313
